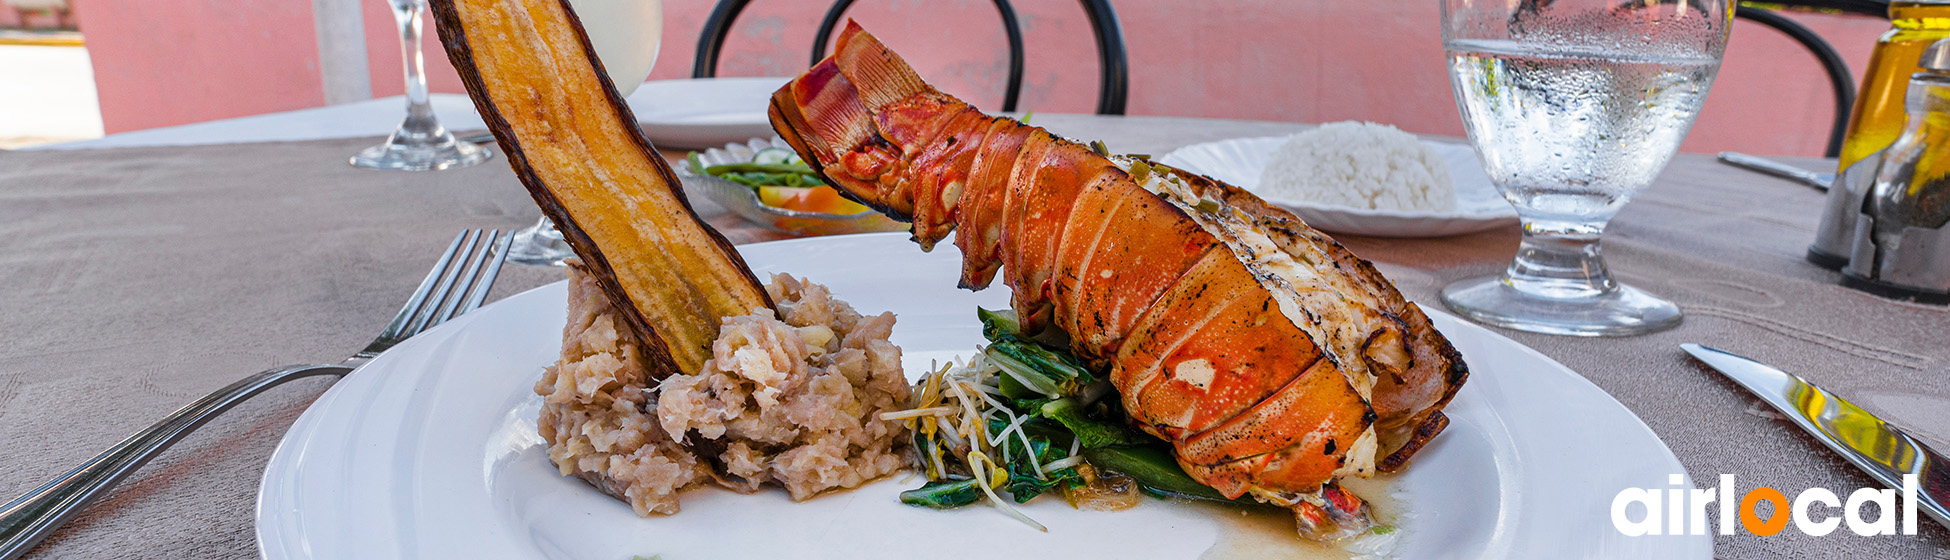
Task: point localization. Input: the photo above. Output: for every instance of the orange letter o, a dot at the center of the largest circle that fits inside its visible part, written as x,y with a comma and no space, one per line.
1751,520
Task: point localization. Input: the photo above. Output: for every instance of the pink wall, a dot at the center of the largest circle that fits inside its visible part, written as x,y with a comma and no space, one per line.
383,55
1771,96
168,62
1268,59
958,44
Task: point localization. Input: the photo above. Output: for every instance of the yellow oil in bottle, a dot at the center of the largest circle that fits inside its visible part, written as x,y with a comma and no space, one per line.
1877,119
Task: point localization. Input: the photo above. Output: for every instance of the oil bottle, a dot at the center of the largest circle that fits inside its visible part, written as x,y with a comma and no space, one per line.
1876,122
1902,244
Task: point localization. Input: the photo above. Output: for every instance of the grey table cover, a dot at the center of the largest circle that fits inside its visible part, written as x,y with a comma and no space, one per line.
134,280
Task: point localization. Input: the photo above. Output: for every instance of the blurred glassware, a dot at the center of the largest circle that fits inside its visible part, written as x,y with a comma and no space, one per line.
420,143
1574,106
626,35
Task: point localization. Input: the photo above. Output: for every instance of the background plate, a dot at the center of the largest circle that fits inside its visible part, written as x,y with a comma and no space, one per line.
743,201
430,451
1240,161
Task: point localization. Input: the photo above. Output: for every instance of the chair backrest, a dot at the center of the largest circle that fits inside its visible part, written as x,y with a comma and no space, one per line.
1840,79
1877,8
1114,79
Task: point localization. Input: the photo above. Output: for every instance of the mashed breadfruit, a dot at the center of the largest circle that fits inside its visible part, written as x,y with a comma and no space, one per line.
795,403
598,415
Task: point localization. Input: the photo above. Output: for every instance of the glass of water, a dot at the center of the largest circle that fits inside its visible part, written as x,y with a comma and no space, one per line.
420,143
1573,106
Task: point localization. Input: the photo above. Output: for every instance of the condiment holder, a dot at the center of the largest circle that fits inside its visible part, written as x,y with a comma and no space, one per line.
1901,245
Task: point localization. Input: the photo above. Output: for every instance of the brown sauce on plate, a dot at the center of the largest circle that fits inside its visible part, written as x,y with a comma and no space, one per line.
1269,534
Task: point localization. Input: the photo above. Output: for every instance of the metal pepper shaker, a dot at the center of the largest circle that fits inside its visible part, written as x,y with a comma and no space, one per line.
1901,245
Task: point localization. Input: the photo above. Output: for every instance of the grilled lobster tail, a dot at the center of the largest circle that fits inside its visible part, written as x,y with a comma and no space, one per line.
1270,357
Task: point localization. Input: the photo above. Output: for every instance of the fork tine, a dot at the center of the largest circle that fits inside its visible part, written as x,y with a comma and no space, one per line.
442,290
486,283
465,284
413,304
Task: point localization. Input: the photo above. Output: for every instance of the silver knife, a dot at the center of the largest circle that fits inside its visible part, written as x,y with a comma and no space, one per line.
1885,451
1778,169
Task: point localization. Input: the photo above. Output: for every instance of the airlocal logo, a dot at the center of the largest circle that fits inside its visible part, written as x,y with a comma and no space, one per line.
1682,511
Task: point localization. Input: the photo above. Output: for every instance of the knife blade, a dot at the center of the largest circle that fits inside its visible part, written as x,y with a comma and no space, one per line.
1879,448
1817,180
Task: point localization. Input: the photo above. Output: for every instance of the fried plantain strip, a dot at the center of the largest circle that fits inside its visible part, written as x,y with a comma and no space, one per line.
530,69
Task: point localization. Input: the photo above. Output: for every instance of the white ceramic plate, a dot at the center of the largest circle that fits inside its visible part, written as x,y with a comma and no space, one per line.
704,113
430,451
1239,161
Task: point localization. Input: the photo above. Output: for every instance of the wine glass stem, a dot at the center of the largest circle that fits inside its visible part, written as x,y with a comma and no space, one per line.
1560,260
419,114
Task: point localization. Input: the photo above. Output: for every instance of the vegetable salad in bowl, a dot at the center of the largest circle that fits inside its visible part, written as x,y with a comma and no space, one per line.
765,182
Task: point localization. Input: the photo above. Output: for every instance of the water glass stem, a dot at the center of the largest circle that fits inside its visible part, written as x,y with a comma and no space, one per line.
420,143
1560,260
410,15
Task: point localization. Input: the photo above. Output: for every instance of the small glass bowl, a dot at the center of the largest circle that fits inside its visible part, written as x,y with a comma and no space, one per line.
743,201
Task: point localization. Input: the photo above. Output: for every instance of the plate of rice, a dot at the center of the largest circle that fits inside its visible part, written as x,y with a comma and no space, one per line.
1359,178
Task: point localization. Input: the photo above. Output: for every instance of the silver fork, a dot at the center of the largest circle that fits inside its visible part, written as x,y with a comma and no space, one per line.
457,284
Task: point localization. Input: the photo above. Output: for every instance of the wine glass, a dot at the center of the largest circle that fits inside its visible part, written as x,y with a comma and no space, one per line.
1573,106
420,143
626,35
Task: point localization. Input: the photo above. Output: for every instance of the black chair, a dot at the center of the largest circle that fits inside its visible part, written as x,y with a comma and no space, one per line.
1839,76
1113,85
1877,8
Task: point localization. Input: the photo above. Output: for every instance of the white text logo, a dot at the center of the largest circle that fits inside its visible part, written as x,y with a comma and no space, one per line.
1682,511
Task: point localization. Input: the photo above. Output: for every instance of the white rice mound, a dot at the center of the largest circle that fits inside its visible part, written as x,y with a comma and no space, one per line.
795,403
1359,165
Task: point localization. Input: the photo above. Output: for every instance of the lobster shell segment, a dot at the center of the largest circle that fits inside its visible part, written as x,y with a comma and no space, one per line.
1271,358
